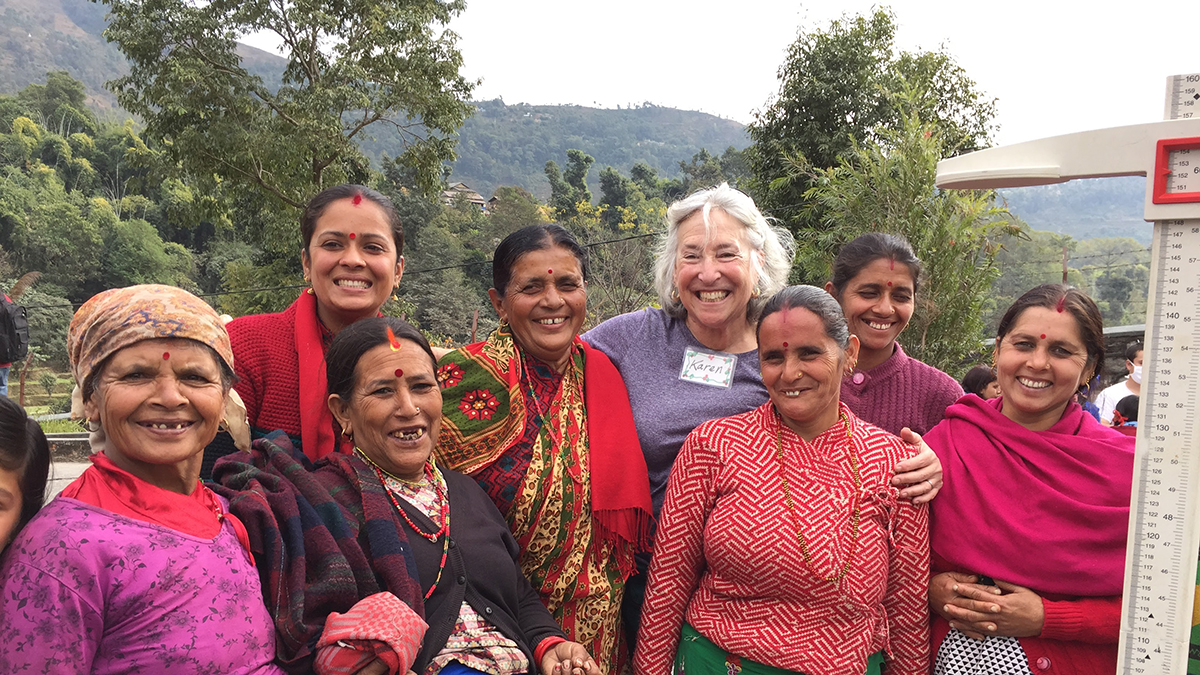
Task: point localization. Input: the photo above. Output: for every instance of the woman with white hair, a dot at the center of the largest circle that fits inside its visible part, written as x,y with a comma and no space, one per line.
696,358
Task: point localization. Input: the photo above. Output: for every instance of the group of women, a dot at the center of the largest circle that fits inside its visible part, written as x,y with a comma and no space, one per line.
493,510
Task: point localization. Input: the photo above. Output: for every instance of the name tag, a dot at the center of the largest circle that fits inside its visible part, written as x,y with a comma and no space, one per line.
704,367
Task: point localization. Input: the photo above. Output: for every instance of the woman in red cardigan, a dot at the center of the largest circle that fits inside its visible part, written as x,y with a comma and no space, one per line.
782,546
1028,534
353,241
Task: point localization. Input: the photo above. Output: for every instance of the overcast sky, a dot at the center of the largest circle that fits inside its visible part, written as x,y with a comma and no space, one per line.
1054,66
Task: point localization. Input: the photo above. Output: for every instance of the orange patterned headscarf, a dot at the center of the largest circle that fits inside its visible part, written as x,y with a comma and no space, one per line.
121,317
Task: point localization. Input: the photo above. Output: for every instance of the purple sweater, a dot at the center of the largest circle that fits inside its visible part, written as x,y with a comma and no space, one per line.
900,392
83,590
647,347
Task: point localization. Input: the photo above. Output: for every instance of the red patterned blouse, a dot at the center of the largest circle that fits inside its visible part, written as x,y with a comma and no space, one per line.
728,558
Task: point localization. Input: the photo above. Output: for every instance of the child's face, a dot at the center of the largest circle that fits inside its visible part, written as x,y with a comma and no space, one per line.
10,505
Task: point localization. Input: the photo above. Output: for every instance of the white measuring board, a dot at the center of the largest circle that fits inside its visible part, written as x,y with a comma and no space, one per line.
1161,557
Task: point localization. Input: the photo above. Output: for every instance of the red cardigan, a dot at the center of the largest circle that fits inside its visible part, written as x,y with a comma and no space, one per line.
264,357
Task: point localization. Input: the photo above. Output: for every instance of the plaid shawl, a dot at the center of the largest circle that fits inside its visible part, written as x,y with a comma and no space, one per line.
323,539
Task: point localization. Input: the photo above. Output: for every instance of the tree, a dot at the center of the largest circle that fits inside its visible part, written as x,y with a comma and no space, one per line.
569,189
886,185
351,67
841,85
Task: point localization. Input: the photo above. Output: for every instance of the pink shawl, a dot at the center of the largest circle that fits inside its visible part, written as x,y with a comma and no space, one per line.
1043,509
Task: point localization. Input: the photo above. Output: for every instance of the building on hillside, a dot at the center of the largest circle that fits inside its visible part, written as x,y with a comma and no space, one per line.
463,191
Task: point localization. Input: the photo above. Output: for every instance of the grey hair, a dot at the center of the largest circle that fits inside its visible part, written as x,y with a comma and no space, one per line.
772,247
815,300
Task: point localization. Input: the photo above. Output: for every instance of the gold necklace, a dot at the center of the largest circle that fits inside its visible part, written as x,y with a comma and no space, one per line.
854,515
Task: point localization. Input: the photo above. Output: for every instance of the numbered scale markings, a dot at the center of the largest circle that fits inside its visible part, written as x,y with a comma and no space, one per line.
1161,558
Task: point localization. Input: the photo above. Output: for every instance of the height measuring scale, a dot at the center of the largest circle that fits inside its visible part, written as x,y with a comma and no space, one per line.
1160,562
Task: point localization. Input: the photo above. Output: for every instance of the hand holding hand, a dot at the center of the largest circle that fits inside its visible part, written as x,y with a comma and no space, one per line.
1004,609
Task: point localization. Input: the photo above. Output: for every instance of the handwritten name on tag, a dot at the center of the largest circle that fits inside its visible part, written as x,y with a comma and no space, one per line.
711,368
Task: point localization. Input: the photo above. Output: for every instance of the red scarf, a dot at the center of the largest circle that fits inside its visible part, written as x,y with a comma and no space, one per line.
316,422
107,486
620,499
1043,509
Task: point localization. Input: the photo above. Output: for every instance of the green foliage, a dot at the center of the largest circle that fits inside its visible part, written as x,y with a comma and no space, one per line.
1114,271
847,83
350,66
569,189
49,316
886,185
510,144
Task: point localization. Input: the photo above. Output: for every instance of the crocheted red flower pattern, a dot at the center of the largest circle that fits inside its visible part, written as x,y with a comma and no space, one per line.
478,404
449,375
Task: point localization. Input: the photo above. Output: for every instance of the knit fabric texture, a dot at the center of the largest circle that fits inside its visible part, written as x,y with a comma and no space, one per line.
900,392
264,353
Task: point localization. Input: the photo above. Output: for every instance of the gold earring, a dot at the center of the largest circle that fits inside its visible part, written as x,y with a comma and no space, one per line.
756,292
675,294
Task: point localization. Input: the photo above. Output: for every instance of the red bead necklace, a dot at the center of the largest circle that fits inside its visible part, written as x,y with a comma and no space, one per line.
442,531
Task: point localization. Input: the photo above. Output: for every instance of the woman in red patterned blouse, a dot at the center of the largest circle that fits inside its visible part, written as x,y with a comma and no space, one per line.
781,545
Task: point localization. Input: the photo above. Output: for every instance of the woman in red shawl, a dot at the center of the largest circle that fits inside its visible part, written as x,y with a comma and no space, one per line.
353,240
542,422
1028,533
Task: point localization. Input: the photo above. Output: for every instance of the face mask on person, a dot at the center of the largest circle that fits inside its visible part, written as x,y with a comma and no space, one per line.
1136,375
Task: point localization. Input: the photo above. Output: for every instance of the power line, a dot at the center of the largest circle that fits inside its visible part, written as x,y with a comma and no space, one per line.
263,289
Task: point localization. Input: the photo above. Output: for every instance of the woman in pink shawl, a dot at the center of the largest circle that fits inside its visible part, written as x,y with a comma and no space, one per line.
1028,533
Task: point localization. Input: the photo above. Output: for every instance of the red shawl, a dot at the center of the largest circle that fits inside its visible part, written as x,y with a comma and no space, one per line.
316,422
111,488
1043,509
620,489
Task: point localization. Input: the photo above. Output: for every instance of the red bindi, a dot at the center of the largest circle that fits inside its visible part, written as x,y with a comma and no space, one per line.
351,235
1043,336
785,345
889,283
357,200
166,355
399,373
549,271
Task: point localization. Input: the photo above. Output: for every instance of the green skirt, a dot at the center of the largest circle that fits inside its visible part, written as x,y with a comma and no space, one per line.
697,655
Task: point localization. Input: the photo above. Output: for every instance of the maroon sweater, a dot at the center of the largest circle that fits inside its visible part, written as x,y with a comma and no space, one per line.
900,392
264,357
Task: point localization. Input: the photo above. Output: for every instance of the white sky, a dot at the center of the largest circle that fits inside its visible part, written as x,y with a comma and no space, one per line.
1055,66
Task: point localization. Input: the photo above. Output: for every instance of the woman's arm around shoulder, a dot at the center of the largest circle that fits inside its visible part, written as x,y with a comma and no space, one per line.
678,552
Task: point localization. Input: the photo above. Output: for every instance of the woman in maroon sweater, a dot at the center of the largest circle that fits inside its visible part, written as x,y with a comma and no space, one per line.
353,241
875,280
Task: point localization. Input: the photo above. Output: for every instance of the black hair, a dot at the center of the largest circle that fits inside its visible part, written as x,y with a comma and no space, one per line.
1131,351
815,300
317,205
1063,298
24,451
532,238
360,337
1128,408
868,248
977,379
